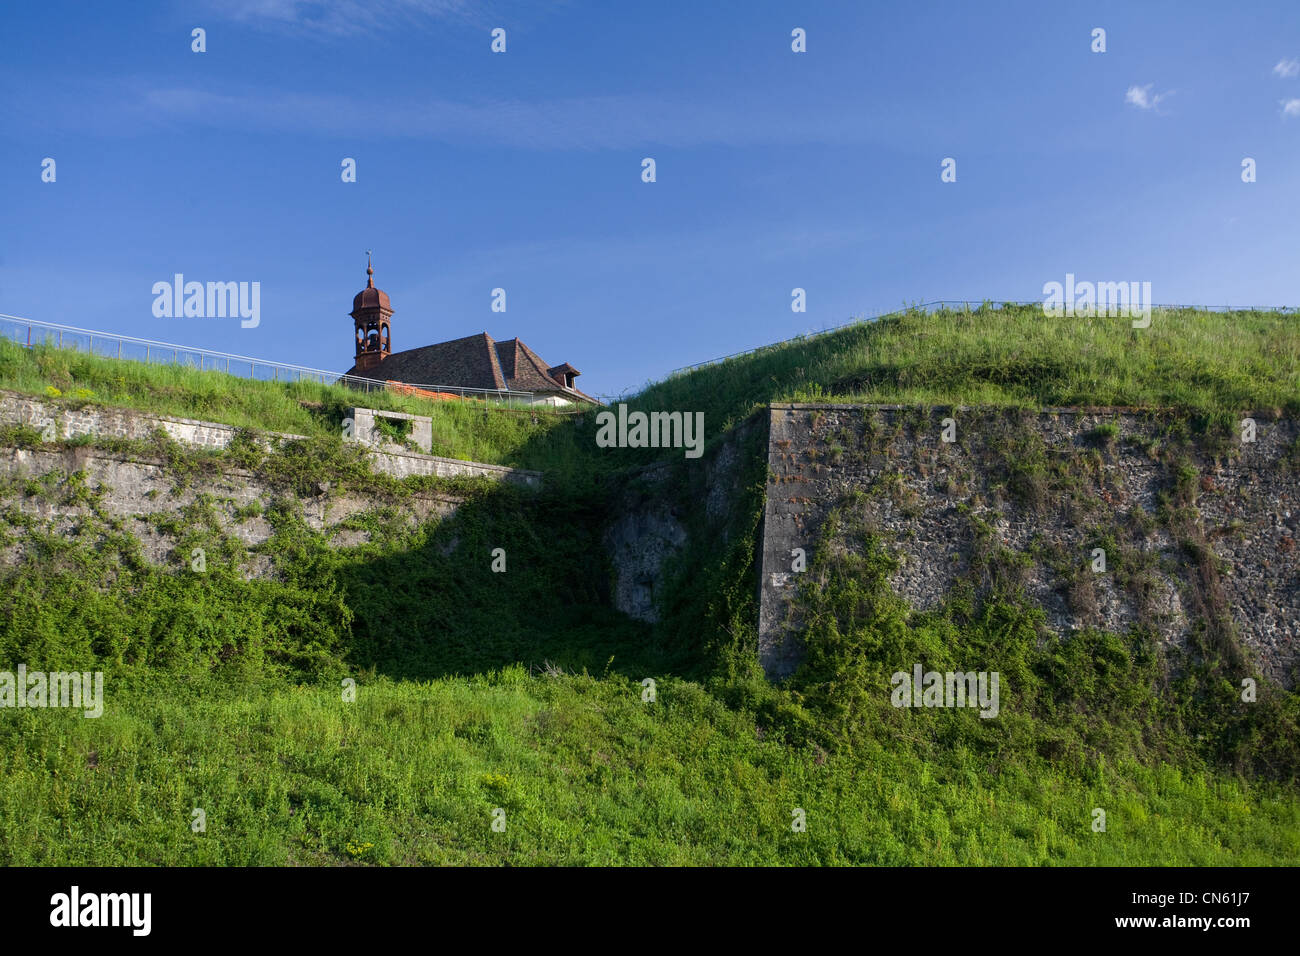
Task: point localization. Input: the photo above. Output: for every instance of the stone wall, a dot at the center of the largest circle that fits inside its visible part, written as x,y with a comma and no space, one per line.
134,488
646,532
924,496
650,527
60,420
938,507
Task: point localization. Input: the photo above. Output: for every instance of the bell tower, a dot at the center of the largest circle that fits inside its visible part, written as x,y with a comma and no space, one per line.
371,311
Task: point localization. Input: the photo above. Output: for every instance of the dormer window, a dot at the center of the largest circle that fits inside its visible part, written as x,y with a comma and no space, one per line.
564,374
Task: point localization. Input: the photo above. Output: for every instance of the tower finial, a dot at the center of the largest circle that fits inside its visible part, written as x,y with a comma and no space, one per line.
370,272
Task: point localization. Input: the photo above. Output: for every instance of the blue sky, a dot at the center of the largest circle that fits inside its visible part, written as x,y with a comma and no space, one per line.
522,170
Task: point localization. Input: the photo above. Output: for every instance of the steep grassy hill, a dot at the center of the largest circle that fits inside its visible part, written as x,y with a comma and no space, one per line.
1013,355
523,692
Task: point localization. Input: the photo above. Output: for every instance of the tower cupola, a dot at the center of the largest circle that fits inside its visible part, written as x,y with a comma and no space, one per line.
371,311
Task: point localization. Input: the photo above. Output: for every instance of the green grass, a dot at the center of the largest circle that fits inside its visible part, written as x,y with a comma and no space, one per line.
522,690
586,773
1191,360
469,430
1197,361
224,694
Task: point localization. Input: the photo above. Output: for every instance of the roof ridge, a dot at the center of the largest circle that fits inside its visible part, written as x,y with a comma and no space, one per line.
495,361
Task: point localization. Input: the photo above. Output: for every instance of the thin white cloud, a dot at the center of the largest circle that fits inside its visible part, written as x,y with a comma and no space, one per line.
144,105
1140,96
340,18
1287,69
584,123
1290,107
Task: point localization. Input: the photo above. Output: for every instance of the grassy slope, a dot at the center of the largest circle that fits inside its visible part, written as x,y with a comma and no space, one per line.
587,774
1198,361
469,430
249,725
1203,362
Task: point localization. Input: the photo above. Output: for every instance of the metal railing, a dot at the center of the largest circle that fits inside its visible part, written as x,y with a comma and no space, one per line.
940,304
31,332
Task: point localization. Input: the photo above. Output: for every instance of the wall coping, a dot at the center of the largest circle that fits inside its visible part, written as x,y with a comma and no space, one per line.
383,413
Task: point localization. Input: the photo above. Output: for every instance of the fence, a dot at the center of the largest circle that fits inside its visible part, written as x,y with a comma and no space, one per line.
32,332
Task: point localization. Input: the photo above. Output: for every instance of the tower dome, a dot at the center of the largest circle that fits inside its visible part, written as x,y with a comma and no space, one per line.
370,297
371,310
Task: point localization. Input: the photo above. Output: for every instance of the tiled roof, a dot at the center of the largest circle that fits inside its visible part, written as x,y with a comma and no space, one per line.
525,367
475,361
468,363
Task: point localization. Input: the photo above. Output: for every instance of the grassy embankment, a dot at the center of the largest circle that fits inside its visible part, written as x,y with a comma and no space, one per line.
521,691
471,430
